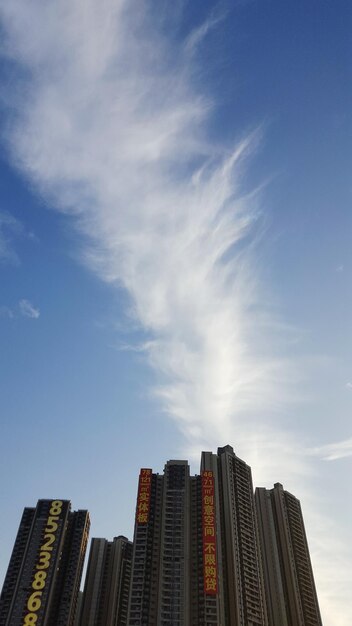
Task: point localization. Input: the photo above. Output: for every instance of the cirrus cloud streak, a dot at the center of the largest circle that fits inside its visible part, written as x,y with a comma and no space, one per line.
114,133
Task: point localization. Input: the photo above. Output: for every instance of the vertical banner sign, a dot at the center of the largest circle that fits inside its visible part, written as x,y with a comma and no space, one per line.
209,534
143,498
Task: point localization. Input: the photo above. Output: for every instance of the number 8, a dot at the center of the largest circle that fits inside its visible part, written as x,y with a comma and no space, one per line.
39,580
30,619
56,507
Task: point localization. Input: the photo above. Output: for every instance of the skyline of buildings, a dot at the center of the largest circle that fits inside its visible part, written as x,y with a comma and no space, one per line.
206,551
196,557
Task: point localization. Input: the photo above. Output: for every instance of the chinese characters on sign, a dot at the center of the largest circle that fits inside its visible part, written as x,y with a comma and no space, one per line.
209,534
143,499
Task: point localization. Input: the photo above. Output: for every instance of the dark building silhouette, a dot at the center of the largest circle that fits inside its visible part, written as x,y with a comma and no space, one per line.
206,552
107,584
42,581
240,575
79,607
195,558
289,583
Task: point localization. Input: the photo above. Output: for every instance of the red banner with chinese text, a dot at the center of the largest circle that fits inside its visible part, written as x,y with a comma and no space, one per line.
210,573
143,497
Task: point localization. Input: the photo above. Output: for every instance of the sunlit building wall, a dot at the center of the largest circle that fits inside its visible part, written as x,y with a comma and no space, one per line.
290,588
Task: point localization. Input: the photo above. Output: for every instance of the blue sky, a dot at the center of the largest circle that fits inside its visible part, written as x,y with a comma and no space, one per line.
175,256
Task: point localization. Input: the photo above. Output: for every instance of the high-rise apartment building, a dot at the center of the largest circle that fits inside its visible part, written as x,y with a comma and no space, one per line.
107,584
290,589
195,559
161,547
241,580
42,581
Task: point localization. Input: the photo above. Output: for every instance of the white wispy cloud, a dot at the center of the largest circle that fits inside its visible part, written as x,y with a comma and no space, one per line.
27,309
5,311
113,132
10,228
333,451
331,561
110,125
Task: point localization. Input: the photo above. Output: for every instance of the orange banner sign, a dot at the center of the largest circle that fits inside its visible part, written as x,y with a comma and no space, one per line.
209,534
143,497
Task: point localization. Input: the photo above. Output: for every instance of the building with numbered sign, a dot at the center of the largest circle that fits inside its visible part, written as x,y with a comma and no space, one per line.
206,552
43,578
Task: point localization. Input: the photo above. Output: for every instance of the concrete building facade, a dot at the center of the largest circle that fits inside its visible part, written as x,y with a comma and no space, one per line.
289,583
196,560
107,585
